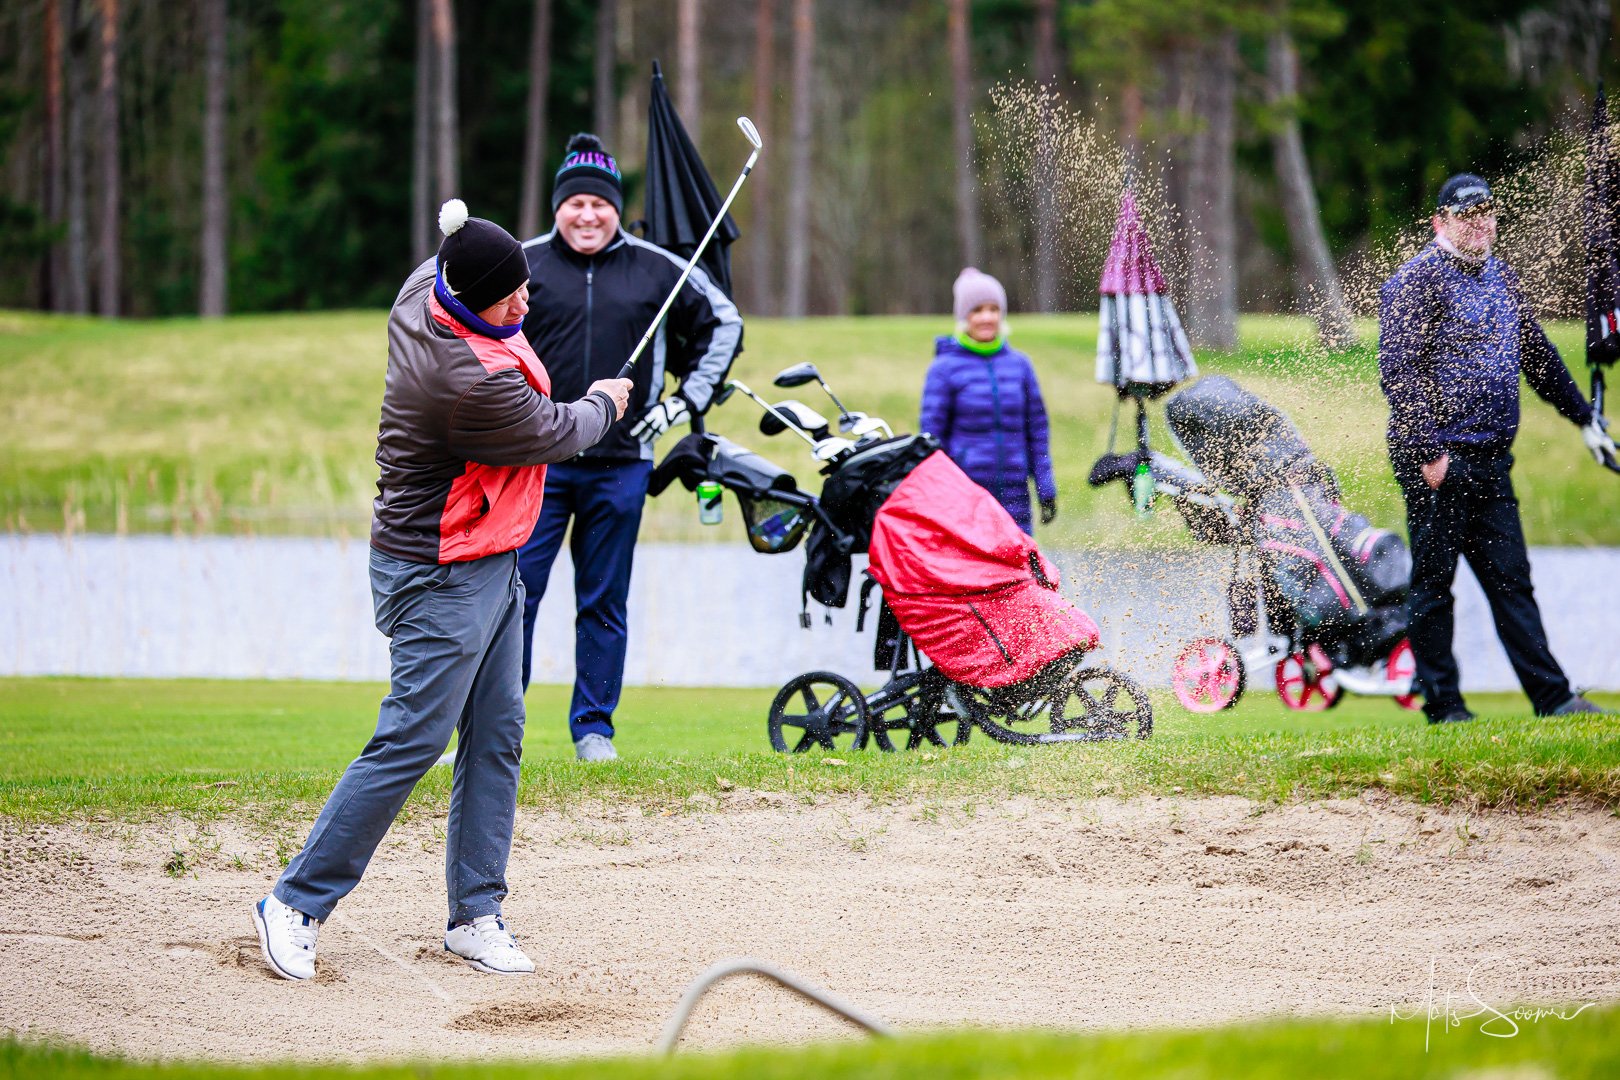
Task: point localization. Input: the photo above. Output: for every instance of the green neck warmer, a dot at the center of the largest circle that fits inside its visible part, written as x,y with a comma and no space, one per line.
983,348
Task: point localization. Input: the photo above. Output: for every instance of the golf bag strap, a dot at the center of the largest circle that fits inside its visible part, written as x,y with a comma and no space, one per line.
866,601
1327,550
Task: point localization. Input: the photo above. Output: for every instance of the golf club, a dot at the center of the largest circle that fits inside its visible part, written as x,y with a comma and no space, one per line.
751,133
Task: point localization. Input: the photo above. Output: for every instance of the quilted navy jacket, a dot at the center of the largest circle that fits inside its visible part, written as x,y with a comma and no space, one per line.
988,415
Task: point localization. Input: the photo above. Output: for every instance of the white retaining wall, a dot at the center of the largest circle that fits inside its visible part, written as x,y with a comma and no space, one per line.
701,614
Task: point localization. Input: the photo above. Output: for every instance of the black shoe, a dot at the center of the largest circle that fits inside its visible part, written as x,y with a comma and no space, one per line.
1455,716
1578,705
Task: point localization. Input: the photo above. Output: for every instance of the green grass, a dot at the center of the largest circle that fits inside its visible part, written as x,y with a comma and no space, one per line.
135,748
1585,1046
267,423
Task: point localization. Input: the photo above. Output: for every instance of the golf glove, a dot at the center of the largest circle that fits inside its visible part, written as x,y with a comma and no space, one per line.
1048,511
1597,439
660,418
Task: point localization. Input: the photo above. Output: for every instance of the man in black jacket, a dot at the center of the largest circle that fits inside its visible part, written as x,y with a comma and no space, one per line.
593,291
1455,334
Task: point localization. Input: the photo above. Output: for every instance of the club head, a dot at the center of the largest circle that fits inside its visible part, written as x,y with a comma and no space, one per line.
799,414
847,423
797,375
750,132
725,393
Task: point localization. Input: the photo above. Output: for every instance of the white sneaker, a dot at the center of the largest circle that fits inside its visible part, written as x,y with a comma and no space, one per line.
594,747
286,937
487,945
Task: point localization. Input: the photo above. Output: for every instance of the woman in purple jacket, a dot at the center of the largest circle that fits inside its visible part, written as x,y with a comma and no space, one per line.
982,402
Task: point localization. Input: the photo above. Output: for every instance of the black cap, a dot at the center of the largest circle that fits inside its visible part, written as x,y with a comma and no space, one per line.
588,169
1463,192
481,262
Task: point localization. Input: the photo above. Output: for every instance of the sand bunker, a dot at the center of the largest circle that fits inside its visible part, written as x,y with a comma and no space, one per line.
1023,913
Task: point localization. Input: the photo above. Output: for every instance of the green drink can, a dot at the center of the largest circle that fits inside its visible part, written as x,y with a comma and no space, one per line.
708,497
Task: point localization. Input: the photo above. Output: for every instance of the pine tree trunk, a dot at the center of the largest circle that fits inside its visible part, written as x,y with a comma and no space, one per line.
967,195
796,289
53,277
1320,293
534,131
606,61
76,295
422,137
446,136
1210,210
109,242
211,299
761,275
688,77
1047,238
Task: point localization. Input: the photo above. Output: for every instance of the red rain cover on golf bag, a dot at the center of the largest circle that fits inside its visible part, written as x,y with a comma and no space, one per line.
959,575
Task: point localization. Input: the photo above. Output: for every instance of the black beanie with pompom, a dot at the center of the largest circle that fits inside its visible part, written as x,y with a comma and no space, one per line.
480,262
588,169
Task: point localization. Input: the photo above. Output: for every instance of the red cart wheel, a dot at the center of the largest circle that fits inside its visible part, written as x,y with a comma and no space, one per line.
1208,675
1305,681
1401,669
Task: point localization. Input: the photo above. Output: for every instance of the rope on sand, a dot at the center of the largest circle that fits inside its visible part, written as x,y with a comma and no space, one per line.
747,966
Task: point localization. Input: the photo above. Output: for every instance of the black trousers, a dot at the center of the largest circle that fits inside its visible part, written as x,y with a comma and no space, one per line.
1474,514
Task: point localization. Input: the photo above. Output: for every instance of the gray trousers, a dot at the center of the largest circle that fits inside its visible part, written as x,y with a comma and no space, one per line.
456,650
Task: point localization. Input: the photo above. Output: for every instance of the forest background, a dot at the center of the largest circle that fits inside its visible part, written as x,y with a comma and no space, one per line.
168,157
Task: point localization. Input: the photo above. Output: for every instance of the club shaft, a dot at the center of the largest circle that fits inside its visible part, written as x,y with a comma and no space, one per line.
629,365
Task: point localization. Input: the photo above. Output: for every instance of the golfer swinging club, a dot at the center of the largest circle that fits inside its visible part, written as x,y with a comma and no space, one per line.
1455,331
467,427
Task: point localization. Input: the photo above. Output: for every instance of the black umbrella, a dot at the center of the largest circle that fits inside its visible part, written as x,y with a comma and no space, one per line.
1602,253
681,198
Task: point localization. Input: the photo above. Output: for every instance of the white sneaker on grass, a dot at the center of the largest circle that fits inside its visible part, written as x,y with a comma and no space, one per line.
286,937
594,747
487,945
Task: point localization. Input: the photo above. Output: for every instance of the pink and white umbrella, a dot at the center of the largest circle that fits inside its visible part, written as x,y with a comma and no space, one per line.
1141,347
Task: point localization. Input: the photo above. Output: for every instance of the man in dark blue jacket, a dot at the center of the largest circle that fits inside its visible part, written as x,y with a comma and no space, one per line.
593,291
1455,333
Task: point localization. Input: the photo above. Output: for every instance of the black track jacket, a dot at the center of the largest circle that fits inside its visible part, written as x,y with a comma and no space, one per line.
587,312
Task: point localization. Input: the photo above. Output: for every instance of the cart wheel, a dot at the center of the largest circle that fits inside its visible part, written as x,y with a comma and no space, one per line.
1099,704
1208,675
1305,681
818,709
1401,669
917,716
997,715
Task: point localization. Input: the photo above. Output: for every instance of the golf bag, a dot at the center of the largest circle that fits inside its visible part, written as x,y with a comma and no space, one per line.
1327,570
967,584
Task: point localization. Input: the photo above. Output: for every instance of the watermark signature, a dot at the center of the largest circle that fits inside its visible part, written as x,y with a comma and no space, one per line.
1452,1008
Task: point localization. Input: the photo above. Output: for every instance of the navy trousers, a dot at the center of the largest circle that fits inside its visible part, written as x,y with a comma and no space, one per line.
1473,514
604,501
453,649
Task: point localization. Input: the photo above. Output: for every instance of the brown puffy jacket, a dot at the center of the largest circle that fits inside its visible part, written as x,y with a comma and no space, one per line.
467,429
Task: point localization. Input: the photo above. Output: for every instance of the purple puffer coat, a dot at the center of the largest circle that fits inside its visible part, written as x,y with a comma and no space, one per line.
988,415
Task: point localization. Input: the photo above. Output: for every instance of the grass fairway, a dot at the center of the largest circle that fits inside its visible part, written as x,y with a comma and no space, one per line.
134,748
1585,1046
267,423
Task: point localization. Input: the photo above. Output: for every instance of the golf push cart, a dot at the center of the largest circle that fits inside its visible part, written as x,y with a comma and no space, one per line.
971,631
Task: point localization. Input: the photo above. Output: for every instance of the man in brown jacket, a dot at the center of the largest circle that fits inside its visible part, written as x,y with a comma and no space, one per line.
467,429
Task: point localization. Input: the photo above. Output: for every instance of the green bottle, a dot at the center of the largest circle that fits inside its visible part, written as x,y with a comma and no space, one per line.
1142,488
708,498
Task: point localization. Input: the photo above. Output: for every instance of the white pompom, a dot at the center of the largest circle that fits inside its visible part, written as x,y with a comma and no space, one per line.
452,216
